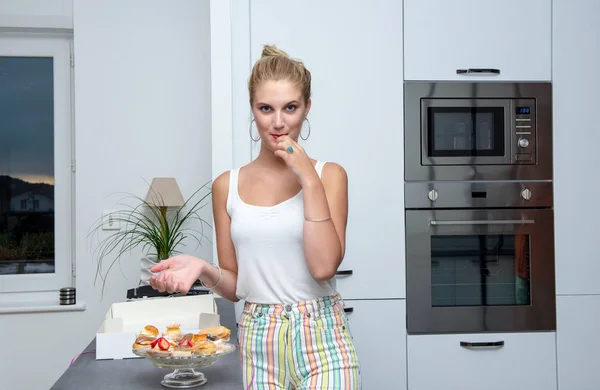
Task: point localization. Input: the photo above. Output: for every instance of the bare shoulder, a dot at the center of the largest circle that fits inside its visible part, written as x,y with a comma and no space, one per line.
220,186
334,173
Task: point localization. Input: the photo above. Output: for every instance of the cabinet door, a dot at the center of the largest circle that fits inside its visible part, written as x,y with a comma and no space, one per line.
577,342
526,361
379,331
513,36
354,52
576,139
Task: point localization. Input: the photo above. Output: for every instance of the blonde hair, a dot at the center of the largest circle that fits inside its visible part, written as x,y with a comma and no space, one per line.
274,65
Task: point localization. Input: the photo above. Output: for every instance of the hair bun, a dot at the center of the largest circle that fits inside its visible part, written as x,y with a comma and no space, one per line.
273,51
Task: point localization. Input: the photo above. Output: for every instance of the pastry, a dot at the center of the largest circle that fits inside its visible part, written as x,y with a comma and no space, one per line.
182,351
173,333
216,332
149,330
196,338
204,348
145,337
143,342
173,343
161,347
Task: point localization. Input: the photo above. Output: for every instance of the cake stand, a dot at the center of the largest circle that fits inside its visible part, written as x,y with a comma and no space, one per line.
185,374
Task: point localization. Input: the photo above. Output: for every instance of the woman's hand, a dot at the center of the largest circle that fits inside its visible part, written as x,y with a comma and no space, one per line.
177,273
296,159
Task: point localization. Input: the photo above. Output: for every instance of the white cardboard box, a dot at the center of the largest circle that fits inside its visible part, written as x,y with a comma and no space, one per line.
124,320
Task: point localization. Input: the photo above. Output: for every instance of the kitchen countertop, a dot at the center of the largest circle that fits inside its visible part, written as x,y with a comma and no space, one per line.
131,374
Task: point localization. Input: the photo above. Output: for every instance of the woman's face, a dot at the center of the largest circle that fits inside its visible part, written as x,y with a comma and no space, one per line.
278,109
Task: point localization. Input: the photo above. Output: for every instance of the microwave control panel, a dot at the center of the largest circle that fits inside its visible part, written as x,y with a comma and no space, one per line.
523,135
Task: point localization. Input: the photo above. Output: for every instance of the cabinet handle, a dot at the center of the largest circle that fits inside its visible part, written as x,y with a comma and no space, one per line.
348,309
345,272
476,71
485,222
484,344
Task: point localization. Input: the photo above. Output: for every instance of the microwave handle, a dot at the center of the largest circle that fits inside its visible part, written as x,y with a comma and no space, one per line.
490,222
477,71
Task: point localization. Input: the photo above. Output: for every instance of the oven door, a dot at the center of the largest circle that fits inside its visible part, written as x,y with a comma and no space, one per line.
466,131
480,270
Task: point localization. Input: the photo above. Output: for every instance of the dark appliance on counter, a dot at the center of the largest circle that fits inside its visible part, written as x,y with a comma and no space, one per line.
479,215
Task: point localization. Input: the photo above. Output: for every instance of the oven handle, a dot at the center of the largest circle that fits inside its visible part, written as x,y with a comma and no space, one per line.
477,71
489,344
489,222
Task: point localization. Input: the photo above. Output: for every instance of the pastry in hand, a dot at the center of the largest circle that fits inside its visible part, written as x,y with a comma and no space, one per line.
173,333
216,332
204,348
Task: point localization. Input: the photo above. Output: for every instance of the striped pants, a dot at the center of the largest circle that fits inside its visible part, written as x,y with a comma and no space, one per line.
302,346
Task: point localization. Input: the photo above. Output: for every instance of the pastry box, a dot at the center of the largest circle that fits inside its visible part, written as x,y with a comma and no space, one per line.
124,320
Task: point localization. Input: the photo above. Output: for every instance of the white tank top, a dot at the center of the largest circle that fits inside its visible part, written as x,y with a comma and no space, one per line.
268,242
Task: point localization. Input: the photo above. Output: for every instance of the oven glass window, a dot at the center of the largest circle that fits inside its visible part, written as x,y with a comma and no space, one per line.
465,132
480,270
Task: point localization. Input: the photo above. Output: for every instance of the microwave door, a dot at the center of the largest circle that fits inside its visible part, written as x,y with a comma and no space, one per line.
465,131
479,271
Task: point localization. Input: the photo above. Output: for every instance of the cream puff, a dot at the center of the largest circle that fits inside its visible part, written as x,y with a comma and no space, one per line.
143,342
149,330
173,333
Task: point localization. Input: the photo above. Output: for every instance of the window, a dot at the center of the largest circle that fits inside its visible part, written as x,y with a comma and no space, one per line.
36,150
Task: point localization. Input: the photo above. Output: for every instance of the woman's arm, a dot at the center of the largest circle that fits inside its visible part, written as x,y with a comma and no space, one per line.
179,273
209,275
325,242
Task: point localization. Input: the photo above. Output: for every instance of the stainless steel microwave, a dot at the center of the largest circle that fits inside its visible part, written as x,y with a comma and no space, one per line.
478,131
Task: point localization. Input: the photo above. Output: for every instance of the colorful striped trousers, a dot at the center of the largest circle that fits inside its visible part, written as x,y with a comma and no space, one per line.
301,346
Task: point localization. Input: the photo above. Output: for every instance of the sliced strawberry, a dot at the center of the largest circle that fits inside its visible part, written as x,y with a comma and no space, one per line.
186,342
153,344
163,344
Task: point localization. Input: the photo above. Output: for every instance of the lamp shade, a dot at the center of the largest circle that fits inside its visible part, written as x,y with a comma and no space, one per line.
164,192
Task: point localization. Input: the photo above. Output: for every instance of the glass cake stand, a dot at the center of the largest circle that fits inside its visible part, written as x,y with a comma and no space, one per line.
185,375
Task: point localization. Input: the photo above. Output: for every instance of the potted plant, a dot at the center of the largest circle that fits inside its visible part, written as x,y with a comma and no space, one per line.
159,224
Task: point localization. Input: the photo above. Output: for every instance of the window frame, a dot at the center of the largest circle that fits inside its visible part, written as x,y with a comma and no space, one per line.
58,45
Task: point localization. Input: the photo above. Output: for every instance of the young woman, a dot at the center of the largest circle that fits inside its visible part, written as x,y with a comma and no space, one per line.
280,225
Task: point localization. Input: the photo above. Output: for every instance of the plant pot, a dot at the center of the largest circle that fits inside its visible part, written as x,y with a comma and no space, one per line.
146,263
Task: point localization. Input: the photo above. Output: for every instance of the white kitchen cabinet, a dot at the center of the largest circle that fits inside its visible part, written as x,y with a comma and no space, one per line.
353,50
513,36
379,331
577,342
526,361
576,64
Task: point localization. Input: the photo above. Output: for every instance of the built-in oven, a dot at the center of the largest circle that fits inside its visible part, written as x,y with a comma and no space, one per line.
479,257
477,131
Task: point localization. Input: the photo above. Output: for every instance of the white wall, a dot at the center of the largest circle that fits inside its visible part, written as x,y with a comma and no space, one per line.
143,109
57,14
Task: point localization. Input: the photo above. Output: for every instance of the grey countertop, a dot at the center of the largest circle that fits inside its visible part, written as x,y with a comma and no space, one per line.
88,373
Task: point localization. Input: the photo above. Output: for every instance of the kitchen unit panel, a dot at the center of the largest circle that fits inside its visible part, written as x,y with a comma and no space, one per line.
378,328
355,121
577,342
442,37
576,84
516,361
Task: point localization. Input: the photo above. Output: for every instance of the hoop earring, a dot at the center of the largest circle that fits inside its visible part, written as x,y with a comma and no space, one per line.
250,131
308,135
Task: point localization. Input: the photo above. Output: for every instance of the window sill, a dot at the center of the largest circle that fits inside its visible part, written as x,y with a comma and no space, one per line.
50,307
